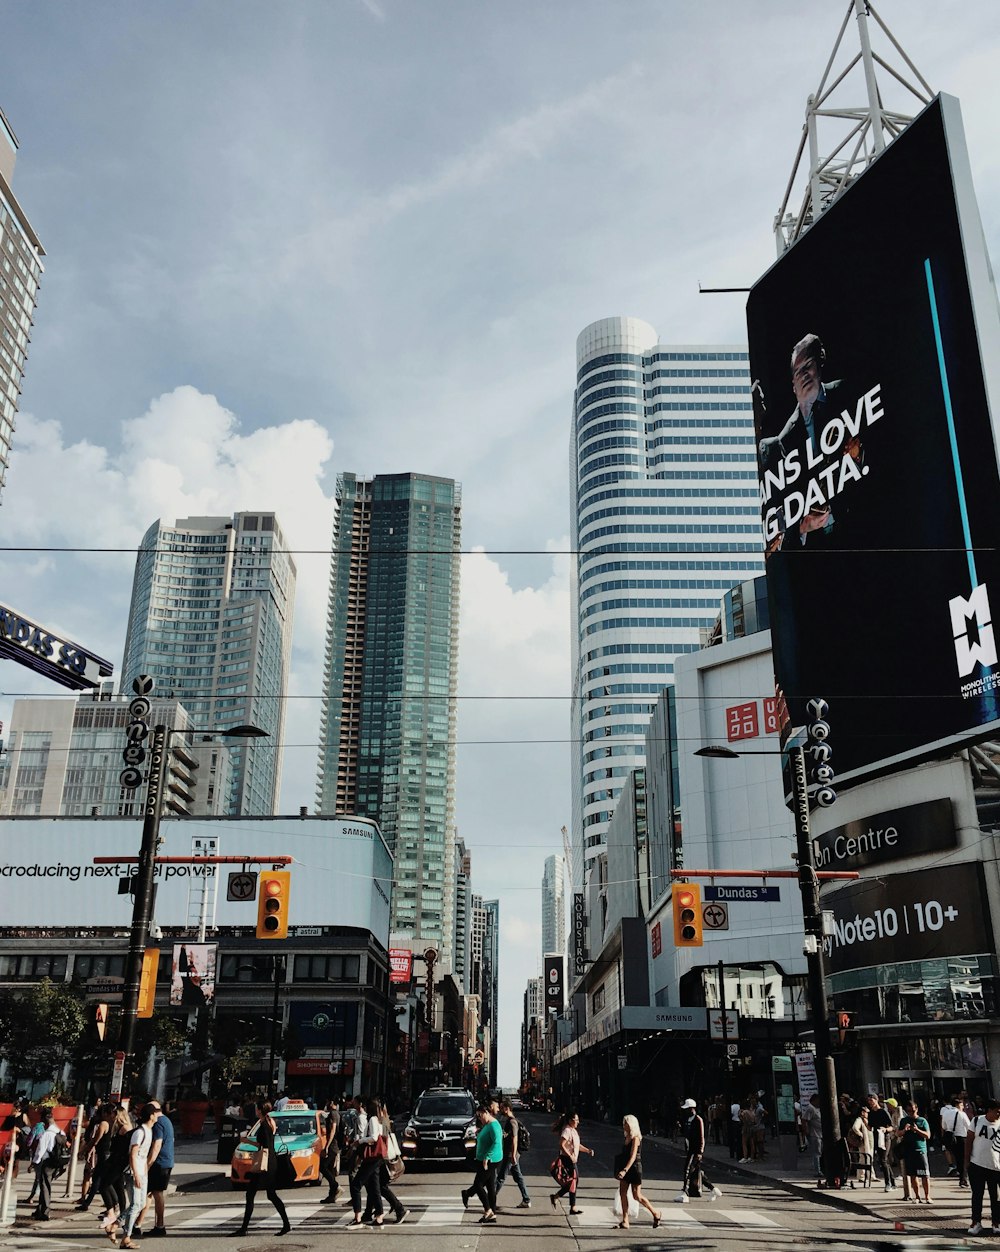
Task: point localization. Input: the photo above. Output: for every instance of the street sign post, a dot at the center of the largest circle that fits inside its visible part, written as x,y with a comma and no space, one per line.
744,893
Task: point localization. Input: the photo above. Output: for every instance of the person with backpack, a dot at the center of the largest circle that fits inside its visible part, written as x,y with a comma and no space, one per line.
45,1159
516,1138
693,1129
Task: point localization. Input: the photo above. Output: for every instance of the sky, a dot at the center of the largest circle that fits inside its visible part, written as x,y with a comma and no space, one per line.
286,241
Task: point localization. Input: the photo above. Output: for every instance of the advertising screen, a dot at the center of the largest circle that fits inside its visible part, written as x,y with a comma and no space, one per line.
917,916
192,978
874,349
554,978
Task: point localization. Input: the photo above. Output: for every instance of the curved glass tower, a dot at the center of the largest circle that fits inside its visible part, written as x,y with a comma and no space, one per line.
665,521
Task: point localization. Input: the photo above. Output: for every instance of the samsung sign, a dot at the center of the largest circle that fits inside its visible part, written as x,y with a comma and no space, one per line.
50,654
341,871
889,836
920,916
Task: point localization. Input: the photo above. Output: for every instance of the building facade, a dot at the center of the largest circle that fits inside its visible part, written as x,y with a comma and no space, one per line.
64,758
211,622
553,906
20,274
462,957
387,734
665,519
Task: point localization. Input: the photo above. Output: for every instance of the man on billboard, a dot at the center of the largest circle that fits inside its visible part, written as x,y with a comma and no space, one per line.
808,451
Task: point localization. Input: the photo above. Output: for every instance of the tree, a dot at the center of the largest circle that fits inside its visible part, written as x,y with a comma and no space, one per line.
40,1027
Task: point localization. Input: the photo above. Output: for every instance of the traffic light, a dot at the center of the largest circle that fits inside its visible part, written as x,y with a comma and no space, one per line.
147,982
844,1023
687,915
272,904
101,1020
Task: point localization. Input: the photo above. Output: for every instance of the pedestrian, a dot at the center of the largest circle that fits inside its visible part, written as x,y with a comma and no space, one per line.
266,1178
982,1163
913,1134
373,1150
384,1176
954,1131
160,1165
812,1120
116,1185
20,1138
44,1163
880,1124
140,1142
760,1127
329,1164
628,1171
511,1130
748,1128
861,1142
96,1142
570,1148
735,1128
693,1129
489,1154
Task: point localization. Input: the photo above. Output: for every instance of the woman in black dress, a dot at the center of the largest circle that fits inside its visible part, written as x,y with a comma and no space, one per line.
629,1171
266,1180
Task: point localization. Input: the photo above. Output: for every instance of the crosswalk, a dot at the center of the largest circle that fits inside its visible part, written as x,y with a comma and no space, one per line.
438,1211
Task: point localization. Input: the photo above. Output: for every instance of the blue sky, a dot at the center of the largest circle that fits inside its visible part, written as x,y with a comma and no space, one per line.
289,240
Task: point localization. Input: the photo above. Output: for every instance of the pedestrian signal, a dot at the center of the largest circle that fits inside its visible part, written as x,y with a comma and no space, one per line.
147,982
272,904
101,1020
687,915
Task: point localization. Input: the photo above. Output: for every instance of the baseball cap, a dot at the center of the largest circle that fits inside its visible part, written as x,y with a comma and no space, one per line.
893,1104
689,1104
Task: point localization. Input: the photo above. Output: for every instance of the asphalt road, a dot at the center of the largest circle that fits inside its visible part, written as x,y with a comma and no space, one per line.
751,1214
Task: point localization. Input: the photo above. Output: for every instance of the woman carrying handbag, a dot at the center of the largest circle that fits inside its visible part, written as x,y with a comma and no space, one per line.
628,1171
264,1175
374,1151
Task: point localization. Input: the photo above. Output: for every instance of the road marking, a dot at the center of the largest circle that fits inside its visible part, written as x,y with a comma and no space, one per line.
747,1217
598,1215
441,1213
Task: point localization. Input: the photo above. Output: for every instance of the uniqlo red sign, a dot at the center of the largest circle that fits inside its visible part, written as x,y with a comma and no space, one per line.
741,721
772,721
656,936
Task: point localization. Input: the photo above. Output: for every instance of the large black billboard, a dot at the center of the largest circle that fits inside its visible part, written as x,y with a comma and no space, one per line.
877,462
894,835
920,916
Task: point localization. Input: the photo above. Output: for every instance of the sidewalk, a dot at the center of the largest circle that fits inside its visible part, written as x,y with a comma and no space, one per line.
951,1210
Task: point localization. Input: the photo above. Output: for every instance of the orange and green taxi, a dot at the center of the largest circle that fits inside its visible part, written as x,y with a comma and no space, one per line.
299,1130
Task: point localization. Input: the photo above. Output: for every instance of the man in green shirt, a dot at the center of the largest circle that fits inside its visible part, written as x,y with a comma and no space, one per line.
489,1153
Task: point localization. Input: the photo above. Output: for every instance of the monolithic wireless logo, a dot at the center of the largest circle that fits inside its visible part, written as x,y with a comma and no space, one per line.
972,630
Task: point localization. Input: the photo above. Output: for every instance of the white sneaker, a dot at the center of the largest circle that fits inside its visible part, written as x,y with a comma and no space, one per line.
681,1199
976,1228
716,1192
996,1230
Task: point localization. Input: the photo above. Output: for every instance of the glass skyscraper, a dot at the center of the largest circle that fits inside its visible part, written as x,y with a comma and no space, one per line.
387,734
665,520
211,623
20,273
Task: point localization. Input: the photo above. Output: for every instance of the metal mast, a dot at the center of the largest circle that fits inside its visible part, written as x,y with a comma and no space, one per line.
861,131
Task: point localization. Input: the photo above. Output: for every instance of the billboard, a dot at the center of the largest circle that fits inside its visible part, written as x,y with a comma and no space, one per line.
875,353
50,654
913,830
341,870
579,935
917,916
400,965
192,974
554,982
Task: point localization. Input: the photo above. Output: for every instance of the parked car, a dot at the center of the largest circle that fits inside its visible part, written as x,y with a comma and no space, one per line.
442,1126
299,1130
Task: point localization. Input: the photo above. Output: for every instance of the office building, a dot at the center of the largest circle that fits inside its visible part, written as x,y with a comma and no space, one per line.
462,957
490,1011
387,732
64,758
211,623
20,274
554,906
665,520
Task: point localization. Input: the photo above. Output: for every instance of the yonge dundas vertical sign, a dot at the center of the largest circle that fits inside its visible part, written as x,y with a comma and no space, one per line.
875,354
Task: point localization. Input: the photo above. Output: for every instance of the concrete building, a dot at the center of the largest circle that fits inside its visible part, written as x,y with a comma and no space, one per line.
64,758
387,735
664,520
211,622
20,274
554,906
462,957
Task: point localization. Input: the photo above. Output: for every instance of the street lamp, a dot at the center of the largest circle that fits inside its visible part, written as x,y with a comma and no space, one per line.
142,909
812,922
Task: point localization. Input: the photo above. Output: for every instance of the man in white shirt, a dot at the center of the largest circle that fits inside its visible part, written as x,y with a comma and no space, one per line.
954,1130
982,1160
735,1131
43,1159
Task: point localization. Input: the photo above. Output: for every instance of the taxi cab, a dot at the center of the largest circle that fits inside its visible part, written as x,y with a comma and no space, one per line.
299,1129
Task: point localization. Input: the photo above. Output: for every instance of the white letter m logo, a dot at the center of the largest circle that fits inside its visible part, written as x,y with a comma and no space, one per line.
984,649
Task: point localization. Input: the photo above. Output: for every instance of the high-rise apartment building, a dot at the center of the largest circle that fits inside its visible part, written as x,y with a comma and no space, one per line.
490,1012
462,955
387,733
64,756
211,623
20,274
665,520
554,906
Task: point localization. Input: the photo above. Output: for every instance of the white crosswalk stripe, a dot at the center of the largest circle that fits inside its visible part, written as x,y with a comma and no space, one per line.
747,1217
674,1217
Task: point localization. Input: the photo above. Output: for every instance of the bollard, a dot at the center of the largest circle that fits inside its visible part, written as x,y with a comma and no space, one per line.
8,1196
74,1159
